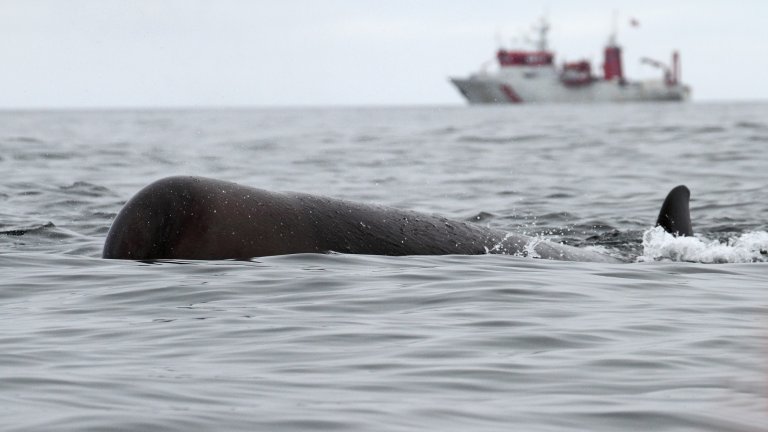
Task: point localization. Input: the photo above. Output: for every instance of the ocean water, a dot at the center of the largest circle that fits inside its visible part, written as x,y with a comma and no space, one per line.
676,339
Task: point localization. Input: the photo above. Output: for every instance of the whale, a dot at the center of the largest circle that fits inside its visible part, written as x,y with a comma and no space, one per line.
197,218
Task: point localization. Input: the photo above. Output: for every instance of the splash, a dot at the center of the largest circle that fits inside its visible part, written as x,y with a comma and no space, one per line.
530,248
659,245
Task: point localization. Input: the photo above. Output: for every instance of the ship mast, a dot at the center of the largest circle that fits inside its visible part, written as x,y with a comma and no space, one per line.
542,29
614,30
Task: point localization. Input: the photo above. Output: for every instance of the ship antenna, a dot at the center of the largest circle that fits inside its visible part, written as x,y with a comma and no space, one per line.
499,39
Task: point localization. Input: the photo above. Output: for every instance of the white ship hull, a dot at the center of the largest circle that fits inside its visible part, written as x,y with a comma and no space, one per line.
539,84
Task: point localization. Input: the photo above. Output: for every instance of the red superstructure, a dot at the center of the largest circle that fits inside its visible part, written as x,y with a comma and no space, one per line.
524,58
612,63
577,73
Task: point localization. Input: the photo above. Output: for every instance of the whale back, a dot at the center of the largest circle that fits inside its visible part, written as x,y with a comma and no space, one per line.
199,218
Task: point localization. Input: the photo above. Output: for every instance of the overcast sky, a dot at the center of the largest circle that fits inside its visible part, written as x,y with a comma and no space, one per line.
154,53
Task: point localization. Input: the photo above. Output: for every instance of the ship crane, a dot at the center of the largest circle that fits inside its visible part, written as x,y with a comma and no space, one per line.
671,75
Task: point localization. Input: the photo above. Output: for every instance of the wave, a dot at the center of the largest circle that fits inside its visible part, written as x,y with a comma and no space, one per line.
659,245
20,231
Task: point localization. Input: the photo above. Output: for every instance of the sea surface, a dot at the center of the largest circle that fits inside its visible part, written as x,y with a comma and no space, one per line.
676,339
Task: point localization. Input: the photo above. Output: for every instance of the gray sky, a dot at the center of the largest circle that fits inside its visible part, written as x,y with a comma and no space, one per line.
109,53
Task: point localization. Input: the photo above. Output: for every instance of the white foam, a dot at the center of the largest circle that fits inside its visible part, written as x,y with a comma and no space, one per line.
659,245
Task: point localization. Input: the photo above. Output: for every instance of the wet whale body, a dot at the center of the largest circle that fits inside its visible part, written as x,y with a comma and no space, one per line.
202,218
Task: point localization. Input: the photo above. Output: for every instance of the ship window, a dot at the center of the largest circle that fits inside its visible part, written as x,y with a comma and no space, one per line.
530,75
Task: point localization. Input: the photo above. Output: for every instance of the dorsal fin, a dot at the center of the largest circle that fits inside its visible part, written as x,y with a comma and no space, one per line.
675,215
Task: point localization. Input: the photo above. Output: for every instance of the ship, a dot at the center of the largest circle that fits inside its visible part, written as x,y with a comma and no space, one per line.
531,76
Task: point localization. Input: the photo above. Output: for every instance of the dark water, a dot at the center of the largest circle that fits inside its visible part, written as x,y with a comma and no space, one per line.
676,340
